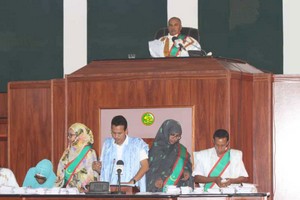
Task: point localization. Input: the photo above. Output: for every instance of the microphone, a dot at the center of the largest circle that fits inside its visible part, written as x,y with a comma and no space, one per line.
119,166
178,43
111,170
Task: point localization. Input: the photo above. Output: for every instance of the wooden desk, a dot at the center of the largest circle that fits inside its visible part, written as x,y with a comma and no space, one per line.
252,196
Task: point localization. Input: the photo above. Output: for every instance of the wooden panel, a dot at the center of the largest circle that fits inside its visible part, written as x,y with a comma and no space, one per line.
3,105
3,130
85,98
211,100
59,131
3,142
244,140
241,117
29,129
262,133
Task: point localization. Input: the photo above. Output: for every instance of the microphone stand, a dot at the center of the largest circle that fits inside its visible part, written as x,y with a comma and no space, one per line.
119,184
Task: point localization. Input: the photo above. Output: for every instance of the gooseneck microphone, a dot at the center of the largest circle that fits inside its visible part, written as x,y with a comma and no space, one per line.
111,170
178,43
119,169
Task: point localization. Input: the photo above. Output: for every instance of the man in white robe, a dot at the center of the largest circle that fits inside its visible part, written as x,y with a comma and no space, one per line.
219,166
174,44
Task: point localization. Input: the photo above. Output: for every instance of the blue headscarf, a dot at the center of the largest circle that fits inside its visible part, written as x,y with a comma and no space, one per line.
45,169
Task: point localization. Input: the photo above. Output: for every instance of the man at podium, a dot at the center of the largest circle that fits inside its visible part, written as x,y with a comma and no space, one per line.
124,150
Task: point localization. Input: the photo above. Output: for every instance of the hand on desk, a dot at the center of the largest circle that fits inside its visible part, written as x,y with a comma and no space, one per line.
223,182
186,176
97,166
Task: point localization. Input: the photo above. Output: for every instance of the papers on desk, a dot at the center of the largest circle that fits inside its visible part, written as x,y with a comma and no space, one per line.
156,48
172,189
25,190
234,188
246,188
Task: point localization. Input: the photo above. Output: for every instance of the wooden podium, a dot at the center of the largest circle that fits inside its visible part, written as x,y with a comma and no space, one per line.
126,189
223,93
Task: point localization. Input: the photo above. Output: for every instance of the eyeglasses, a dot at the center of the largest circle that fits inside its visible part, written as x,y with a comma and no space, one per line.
174,135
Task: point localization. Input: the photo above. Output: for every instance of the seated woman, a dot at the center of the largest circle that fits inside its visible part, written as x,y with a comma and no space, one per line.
75,166
169,161
7,178
40,176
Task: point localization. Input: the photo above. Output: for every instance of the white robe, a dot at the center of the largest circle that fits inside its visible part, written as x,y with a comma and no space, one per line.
7,178
156,47
204,161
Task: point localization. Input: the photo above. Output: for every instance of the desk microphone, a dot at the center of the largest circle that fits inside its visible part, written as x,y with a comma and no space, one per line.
201,50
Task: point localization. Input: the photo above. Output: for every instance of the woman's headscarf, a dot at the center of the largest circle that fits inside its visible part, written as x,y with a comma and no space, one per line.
84,136
44,169
163,155
168,127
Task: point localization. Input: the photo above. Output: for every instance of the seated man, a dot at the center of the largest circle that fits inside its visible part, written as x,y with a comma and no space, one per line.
219,166
132,151
174,44
7,178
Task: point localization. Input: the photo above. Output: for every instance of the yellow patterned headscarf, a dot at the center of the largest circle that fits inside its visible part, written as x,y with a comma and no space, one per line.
84,136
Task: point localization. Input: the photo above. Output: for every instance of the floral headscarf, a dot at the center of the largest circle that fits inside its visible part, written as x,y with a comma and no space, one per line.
84,136
83,173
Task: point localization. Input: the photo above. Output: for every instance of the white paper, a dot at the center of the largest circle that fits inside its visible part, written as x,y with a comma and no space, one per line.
156,48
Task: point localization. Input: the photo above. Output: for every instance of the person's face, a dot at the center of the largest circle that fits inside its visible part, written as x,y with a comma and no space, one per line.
221,145
174,137
71,136
174,26
40,179
118,133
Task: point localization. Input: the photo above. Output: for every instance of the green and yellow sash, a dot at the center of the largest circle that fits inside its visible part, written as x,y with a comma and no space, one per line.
218,168
178,167
174,51
70,168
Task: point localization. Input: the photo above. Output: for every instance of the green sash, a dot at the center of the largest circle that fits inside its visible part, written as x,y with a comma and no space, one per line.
71,166
178,167
219,168
174,50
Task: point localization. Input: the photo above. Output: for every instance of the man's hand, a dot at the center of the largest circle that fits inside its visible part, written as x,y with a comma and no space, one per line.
223,182
186,176
218,181
97,166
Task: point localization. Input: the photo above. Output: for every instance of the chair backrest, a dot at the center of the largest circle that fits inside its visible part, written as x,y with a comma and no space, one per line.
193,32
